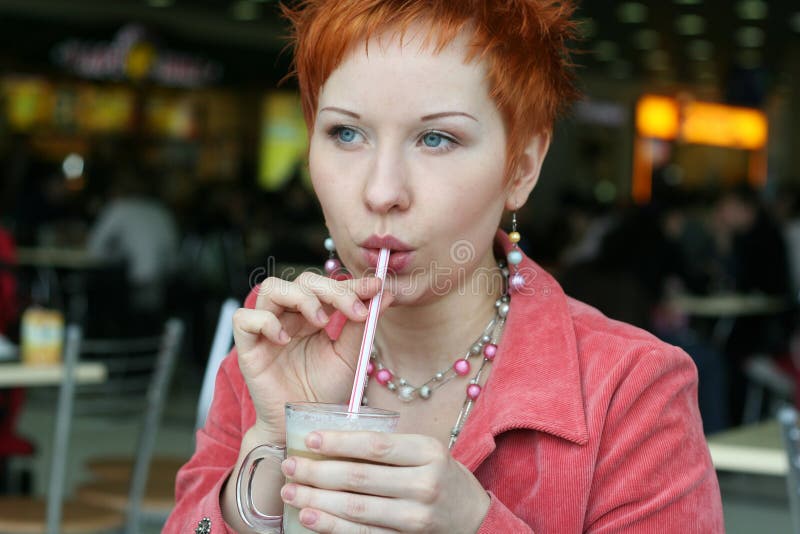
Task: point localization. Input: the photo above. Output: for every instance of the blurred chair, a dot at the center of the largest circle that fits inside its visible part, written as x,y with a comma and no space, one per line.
223,341
131,362
787,416
130,494
159,497
30,515
768,386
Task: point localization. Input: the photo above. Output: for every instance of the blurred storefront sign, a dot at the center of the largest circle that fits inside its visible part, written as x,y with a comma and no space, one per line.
703,123
685,122
284,141
132,56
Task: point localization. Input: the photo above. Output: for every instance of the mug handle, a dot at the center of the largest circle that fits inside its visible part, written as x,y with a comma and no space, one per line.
268,524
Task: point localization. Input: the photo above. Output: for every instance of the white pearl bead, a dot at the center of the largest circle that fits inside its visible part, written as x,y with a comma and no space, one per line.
439,377
486,338
329,244
476,348
391,386
503,311
406,393
425,392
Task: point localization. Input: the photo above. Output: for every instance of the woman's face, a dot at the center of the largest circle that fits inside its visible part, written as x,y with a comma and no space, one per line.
407,143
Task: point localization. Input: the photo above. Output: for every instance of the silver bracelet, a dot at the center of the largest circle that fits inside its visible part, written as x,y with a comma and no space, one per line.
244,496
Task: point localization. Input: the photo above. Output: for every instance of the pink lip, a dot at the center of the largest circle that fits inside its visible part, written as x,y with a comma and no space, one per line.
388,241
401,253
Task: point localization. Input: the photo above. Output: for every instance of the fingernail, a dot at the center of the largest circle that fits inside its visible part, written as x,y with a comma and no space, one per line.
359,308
288,466
322,317
314,441
283,337
309,517
288,492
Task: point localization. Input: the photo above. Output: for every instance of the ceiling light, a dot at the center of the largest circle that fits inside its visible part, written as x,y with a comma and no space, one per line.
72,166
587,28
646,39
700,50
632,12
794,22
690,24
752,9
245,10
657,60
750,37
606,50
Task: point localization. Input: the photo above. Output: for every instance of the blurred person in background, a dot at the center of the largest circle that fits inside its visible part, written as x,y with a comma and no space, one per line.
137,228
11,400
752,259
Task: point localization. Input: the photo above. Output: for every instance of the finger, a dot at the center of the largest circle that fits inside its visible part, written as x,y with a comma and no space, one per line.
349,335
395,514
309,290
276,296
356,477
380,447
346,295
249,325
326,523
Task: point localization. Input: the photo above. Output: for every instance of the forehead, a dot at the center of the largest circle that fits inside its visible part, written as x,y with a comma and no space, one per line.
407,69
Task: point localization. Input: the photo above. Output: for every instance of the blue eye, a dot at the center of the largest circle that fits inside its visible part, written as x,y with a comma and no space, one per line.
433,139
346,135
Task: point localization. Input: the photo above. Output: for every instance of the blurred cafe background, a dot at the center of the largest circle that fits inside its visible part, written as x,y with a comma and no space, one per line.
152,170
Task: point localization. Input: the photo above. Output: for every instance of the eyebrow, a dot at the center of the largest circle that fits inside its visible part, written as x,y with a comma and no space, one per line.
426,118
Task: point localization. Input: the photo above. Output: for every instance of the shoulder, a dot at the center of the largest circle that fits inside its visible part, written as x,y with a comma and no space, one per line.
617,356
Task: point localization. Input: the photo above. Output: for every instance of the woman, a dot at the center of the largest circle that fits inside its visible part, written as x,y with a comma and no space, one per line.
427,120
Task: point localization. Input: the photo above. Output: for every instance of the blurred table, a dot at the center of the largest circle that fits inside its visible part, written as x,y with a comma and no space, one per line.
725,308
755,449
58,258
729,305
20,375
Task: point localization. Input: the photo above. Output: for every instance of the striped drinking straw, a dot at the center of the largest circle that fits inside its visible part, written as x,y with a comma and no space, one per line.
369,335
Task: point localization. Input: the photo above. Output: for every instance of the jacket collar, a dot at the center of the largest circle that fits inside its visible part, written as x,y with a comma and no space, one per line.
535,381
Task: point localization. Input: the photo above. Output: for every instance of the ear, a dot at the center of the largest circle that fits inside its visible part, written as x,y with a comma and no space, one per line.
528,172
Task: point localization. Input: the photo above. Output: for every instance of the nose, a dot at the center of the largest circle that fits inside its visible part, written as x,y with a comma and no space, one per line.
387,187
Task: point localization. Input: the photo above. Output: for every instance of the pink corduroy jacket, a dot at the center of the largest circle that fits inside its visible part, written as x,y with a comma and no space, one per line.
585,425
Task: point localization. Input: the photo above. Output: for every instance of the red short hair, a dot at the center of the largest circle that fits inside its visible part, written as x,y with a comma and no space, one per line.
524,44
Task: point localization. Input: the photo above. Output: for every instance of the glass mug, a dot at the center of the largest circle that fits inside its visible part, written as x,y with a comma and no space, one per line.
301,419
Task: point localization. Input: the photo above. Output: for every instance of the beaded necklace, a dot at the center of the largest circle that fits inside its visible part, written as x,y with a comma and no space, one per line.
485,345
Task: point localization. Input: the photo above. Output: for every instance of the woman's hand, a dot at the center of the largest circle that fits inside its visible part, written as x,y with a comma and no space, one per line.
412,485
284,353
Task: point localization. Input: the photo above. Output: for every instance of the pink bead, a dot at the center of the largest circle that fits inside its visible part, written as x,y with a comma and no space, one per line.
473,391
370,368
383,377
517,282
461,367
331,266
489,351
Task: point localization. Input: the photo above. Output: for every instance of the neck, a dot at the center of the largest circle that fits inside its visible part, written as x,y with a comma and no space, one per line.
418,341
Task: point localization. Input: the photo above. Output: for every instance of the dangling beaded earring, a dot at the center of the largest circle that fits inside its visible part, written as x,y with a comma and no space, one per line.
332,265
515,281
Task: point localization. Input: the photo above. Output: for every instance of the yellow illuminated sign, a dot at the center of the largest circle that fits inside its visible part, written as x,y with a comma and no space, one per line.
658,117
718,125
699,123
703,123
